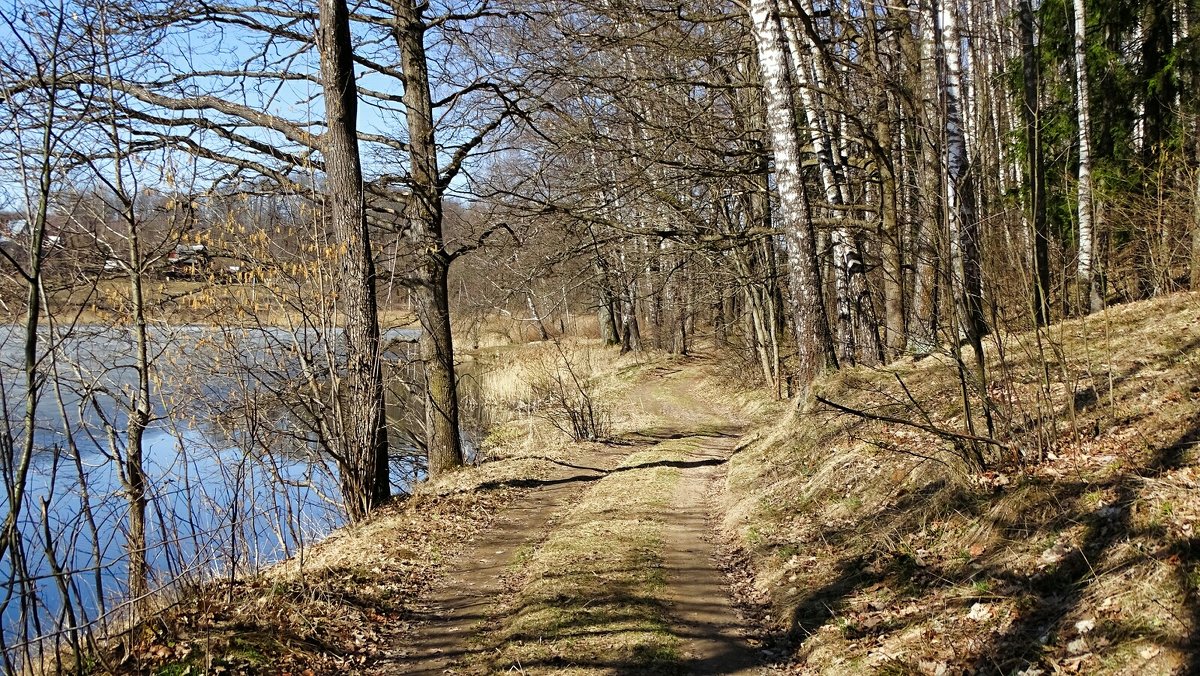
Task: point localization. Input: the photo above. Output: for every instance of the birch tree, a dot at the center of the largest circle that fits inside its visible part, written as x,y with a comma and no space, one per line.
1086,292
964,227
808,66
814,345
921,45
1035,174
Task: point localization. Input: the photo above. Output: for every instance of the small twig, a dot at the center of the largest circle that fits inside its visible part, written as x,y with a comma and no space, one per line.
892,448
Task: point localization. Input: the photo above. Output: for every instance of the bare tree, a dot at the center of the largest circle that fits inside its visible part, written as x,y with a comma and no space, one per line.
362,435
1085,282
437,343
813,342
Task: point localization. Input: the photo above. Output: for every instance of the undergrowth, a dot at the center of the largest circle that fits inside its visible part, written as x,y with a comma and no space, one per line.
1074,552
335,607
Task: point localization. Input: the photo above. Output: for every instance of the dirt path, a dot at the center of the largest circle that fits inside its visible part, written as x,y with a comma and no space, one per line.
694,614
714,635
453,612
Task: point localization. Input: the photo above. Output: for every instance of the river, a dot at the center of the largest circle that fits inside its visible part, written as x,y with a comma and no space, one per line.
236,478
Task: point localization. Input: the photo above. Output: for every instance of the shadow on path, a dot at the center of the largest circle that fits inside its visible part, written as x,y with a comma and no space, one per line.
599,473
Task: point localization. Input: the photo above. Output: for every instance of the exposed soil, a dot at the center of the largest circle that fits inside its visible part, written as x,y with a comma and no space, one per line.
459,620
700,605
451,614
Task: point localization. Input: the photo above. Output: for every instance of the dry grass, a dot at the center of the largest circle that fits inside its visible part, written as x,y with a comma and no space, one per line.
327,611
330,609
1084,560
590,599
509,378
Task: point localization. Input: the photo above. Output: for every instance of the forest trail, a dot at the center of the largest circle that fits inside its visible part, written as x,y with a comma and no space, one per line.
607,566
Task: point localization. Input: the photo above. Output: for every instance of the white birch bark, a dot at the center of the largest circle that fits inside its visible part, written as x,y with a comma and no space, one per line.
956,147
1085,284
812,333
802,57
850,288
969,116
960,203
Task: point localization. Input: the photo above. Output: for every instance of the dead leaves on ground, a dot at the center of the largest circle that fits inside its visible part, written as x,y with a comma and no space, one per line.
333,612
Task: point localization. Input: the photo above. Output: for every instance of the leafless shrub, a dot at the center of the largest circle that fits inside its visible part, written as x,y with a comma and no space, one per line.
565,395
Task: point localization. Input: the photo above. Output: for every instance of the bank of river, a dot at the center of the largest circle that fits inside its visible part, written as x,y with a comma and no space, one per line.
236,479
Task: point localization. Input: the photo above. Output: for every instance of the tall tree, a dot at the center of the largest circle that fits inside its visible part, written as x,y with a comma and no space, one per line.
1035,173
814,344
961,213
1086,292
362,436
928,238
444,447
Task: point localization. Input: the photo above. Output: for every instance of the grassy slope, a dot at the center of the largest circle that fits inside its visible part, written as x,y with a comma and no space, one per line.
1086,561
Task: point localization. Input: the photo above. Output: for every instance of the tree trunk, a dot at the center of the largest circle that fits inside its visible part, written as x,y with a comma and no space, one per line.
814,345
966,281
1035,175
924,323
362,431
1086,293
443,444
631,331
133,473
960,186
536,317
850,286
609,333
607,314
888,159
139,411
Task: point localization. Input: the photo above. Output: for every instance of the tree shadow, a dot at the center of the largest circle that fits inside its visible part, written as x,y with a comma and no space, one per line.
581,631
1056,592
1047,597
656,435
597,473
823,604
536,483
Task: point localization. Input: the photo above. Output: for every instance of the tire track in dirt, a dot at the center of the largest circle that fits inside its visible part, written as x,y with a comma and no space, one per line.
458,605
714,636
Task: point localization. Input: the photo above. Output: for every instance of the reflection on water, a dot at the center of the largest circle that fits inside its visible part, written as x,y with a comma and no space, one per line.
235,480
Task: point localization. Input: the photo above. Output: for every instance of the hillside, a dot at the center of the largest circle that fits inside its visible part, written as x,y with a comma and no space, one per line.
1081,561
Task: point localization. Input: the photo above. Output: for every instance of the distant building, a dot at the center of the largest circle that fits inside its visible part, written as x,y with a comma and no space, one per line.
187,261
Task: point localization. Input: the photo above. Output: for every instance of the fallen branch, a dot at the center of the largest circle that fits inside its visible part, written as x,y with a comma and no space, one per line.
932,429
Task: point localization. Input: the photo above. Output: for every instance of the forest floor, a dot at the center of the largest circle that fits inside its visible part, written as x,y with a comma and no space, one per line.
1075,550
